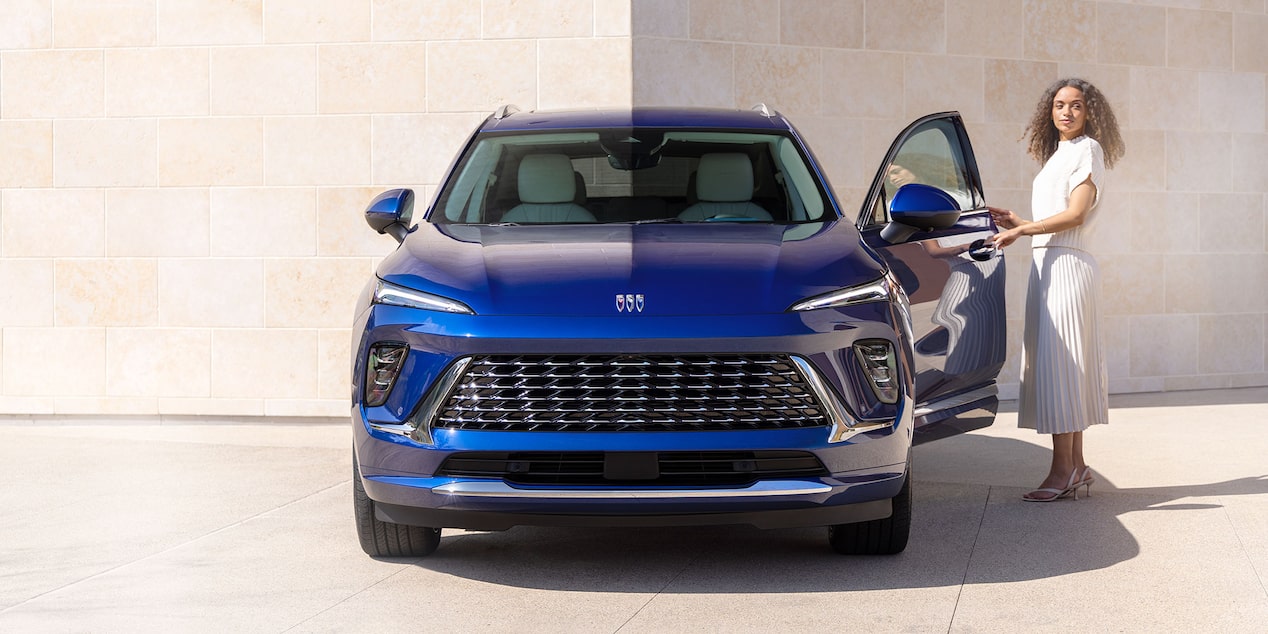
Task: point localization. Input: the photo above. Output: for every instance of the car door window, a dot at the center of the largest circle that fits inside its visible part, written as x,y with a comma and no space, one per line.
931,154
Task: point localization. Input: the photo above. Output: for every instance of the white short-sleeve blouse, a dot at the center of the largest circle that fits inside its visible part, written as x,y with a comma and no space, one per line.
1068,167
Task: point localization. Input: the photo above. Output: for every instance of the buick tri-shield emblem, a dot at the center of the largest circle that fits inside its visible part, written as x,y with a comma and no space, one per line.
629,303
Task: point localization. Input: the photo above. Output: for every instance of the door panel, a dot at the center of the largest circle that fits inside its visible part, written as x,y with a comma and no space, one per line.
956,291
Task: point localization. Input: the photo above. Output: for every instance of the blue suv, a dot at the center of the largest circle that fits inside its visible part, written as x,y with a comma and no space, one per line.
664,317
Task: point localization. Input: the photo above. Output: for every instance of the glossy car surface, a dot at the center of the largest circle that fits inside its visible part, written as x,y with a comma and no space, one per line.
665,317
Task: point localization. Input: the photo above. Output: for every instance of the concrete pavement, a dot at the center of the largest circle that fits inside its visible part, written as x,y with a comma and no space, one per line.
135,526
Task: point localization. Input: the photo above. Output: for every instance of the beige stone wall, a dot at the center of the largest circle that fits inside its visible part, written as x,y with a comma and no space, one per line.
181,182
1181,232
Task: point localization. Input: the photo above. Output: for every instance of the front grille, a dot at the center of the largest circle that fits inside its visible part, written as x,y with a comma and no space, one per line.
631,393
670,468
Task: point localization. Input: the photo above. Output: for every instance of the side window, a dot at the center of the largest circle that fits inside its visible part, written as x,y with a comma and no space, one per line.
930,155
878,215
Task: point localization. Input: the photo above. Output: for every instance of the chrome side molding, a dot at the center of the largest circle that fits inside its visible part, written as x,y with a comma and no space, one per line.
957,400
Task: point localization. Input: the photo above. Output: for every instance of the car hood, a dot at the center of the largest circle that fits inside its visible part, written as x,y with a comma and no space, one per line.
661,269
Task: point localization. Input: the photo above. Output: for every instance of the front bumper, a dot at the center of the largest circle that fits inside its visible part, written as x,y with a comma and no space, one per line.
486,505
496,520
864,474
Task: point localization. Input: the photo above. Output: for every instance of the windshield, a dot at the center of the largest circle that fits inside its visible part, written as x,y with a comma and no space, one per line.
632,176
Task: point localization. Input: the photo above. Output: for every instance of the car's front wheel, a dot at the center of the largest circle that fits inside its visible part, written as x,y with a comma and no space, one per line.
877,537
385,539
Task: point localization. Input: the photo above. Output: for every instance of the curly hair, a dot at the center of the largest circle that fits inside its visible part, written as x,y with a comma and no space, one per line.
1101,123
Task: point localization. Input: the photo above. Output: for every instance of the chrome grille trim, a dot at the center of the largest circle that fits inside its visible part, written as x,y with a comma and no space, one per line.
435,399
844,425
631,393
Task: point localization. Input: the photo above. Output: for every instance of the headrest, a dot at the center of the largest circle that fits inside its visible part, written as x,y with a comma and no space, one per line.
546,178
724,178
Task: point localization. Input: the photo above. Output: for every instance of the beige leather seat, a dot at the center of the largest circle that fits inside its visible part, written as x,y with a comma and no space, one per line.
724,187
547,190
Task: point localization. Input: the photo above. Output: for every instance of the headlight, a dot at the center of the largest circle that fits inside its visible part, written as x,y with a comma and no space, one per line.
880,366
879,290
393,295
382,366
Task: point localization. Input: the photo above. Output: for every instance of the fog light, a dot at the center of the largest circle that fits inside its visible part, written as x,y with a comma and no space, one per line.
876,356
381,370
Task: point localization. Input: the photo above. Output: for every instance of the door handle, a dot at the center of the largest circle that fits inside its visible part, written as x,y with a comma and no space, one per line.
981,251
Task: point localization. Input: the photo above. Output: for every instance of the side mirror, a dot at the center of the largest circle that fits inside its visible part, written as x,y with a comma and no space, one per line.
918,207
390,213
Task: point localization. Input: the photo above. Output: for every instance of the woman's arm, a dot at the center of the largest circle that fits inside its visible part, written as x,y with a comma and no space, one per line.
1005,217
1075,214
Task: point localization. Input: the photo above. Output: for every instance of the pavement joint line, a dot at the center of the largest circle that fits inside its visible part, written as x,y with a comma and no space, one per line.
1245,553
657,593
401,568
183,544
968,563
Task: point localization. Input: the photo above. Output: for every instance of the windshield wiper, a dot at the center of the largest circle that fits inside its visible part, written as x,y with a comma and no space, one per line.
654,221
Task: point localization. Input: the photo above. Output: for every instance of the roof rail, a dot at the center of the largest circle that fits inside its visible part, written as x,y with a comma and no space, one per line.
766,112
506,110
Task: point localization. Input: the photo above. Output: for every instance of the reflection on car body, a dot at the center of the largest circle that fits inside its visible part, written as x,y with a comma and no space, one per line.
664,317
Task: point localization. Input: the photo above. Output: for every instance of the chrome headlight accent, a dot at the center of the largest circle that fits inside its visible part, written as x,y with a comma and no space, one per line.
393,295
878,290
436,398
418,427
844,426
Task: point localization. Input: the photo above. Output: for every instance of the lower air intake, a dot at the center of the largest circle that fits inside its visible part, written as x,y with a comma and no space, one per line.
670,468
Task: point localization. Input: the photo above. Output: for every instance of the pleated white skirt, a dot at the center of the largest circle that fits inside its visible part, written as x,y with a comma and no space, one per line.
1064,383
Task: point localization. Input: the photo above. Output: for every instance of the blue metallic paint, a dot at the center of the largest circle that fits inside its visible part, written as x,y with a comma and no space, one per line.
709,288
692,269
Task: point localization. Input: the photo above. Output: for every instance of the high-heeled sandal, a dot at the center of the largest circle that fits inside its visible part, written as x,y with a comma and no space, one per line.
1057,494
1085,480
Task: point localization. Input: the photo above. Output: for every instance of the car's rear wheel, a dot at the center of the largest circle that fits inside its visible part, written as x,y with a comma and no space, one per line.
385,539
877,537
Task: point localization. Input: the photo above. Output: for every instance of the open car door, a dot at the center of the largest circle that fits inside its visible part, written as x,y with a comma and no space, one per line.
926,215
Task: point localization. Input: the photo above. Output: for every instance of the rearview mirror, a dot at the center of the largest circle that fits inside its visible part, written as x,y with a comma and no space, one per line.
390,213
917,207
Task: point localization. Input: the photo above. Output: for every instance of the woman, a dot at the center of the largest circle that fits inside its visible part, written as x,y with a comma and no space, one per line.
1064,386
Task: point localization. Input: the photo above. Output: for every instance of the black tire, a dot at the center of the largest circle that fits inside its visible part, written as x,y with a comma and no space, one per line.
877,537
385,539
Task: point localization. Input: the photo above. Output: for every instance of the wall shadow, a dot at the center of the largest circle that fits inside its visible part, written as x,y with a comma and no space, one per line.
963,532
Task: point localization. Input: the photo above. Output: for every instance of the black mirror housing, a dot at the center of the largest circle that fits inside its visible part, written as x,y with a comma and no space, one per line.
391,212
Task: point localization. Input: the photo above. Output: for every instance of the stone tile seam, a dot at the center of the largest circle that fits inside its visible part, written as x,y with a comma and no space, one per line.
968,564
657,593
1263,588
401,568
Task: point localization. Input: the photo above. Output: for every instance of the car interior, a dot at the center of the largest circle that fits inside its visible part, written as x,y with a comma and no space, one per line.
610,178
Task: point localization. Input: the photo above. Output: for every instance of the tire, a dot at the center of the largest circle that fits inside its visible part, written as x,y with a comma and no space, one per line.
877,537
385,539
